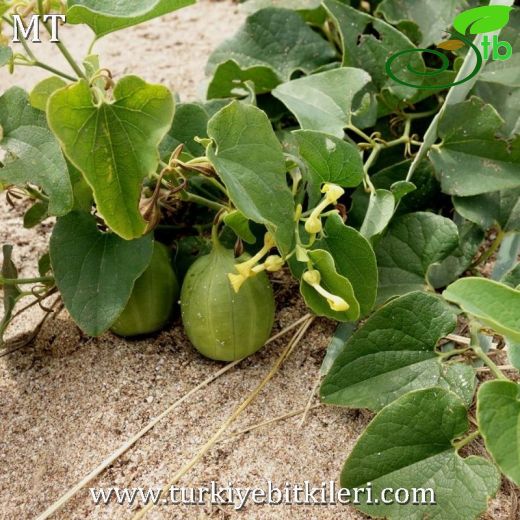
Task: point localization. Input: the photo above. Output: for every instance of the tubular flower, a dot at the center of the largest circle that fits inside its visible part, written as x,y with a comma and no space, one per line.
336,303
332,193
250,267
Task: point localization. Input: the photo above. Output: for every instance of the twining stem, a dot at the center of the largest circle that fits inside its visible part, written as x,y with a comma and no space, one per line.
361,134
486,255
475,345
35,62
225,425
26,281
63,49
466,440
191,197
374,154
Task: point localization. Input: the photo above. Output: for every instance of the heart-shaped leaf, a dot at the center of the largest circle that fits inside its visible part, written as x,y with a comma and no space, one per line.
433,21
445,272
32,153
329,101
104,16
271,46
94,271
471,159
409,445
354,259
114,145
334,284
368,42
248,157
498,415
394,353
411,245
488,209
492,303
6,54
328,159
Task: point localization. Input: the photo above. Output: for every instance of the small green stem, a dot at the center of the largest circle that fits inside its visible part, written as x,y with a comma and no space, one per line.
26,281
374,154
451,353
486,255
197,199
361,134
66,54
466,440
421,115
475,345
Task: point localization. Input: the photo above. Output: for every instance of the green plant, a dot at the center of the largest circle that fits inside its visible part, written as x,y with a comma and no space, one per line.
223,324
384,200
153,297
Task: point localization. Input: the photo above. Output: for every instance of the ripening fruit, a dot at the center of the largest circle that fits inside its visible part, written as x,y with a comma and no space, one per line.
152,300
222,324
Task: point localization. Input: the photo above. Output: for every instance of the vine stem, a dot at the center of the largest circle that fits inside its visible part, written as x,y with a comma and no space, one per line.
486,255
127,445
225,425
26,281
466,440
35,62
190,197
475,345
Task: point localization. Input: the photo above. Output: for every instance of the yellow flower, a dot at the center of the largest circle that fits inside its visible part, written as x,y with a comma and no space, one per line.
332,193
236,281
336,303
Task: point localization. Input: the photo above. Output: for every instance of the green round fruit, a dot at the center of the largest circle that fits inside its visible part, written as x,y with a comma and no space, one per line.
153,298
222,324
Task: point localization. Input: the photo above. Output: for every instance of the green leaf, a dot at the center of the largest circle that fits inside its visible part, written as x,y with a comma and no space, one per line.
6,54
354,259
381,206
328,159
425,196
270,47
411,245
332,282
368,42
240,225
32,153
507,258
498,415
11,293
409,445
106,16
190,121
230,80
35,215
251,6
513,353
343,332
94,271
41,93
506,101
512,278
507,72
493,304
123,134
471,160
433,21
248,157
488,209
445,272
482,19
329,101
394,353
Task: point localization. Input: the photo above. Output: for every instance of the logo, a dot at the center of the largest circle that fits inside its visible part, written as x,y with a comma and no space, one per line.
479,20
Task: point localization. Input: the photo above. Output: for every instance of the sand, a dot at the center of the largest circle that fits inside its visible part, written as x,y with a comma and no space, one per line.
67,401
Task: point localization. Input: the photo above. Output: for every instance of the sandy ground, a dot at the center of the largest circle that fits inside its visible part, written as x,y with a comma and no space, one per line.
68,401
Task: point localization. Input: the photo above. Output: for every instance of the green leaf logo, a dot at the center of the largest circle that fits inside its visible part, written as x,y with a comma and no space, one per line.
482,19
